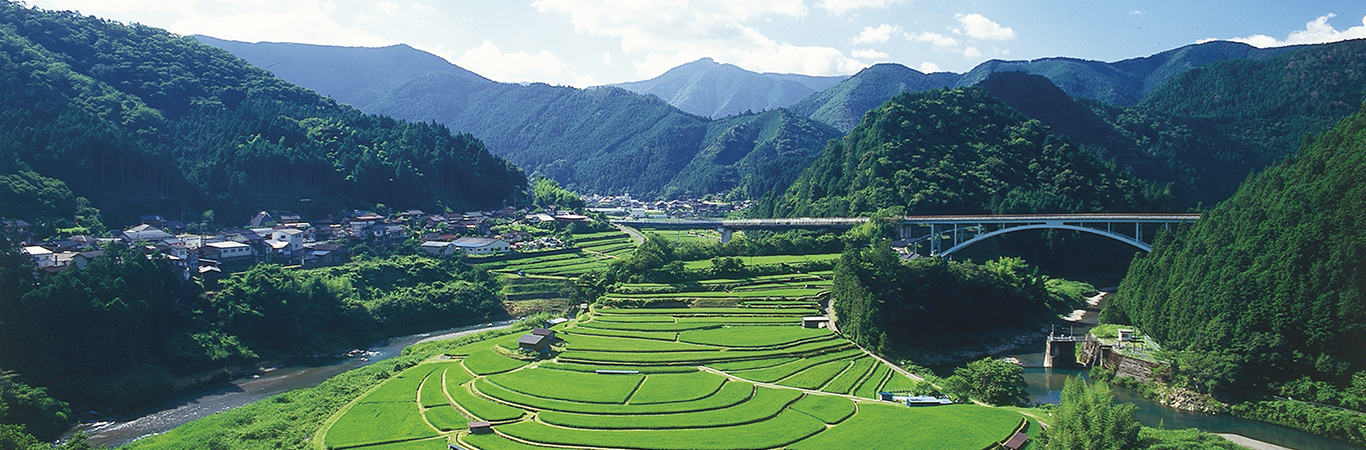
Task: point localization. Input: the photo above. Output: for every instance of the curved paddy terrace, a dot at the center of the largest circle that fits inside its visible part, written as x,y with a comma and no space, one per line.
721,378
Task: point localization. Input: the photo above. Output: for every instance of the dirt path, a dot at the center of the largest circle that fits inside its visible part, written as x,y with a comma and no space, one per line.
635,235
1251,443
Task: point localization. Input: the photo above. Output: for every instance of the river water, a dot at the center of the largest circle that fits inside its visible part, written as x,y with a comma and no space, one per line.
187,407
1045,386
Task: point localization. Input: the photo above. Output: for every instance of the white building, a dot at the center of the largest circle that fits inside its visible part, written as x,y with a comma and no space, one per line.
482,246
41,257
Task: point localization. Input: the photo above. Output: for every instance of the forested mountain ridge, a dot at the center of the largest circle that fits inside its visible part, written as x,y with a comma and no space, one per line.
710,89
959,151
1268,286
139,120
356,76
1200,163
1121,83
606,140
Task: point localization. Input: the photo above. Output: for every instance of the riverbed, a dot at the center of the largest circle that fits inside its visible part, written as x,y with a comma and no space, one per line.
187,407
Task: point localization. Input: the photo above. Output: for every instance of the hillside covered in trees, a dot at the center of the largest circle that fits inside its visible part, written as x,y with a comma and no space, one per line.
959,151
609,140
138,120
1267,289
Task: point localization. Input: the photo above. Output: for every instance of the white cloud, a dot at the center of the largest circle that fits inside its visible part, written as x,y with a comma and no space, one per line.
389,8
658,35
839,7
971,52
878,35
1135,12
979,27
929,67
423,9
870,54
1316,31
489,61
939,40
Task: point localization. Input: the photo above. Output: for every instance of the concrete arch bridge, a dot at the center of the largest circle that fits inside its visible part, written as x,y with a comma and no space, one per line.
947,234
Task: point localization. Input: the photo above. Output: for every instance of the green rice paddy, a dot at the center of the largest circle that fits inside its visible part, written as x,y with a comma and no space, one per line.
717,378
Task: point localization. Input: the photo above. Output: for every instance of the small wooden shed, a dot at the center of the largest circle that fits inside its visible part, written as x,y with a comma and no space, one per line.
533,342
548,333
480,427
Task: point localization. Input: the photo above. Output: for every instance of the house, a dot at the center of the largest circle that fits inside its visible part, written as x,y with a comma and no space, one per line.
145,232
260,220
556,321
83,259
227,252
42,258
533,342
482,246
359,223
815,322
547,333
440,248
539,217
288,242
480,427
288,217
324,255
14,226
154,220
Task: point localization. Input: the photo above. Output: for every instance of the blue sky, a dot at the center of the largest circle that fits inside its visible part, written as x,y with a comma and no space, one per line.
590,42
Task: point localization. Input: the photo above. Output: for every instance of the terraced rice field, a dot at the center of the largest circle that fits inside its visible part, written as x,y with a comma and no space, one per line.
704,378
594,252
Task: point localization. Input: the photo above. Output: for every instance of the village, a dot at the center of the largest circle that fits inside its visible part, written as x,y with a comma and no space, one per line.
286,238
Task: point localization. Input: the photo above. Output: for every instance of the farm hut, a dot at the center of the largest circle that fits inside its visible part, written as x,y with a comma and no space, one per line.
556,321
1126,335
886,396
815,322
1016,441
548,333
533,342
480,427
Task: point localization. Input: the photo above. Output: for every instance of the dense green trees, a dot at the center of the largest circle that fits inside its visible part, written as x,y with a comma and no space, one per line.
137,119
1088,419
115,334
1266,288
899,309
959,151
991,381
547,193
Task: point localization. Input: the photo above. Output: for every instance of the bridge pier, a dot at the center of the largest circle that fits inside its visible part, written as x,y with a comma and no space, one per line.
725,234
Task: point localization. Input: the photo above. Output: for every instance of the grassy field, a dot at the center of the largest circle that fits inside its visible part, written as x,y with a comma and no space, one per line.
691,380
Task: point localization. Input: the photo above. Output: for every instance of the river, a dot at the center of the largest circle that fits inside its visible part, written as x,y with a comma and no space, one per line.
187,407
1045,386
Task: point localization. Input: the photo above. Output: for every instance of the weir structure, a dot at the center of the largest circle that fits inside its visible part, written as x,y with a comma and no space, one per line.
942,235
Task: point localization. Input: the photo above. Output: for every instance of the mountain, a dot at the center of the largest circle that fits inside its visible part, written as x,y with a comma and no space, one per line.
843,105
959,151
710,89
1198,162
1268,286
1122,83
356,76
608,140
138,120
